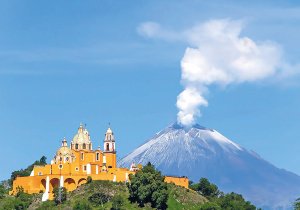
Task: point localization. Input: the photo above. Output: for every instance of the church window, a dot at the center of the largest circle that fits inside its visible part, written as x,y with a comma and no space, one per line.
82,156
67,158
97,156
40,173
84,168
60,159
84,146
60,166
76,169
76,146
107,147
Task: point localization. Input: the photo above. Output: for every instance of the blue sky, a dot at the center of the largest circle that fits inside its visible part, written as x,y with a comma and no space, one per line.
62,63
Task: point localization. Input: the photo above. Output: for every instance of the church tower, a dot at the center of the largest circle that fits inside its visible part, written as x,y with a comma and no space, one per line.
109,151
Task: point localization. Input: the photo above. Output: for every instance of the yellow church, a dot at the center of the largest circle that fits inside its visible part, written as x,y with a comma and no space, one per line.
72,165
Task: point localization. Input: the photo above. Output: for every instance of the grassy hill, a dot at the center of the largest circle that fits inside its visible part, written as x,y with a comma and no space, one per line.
179,198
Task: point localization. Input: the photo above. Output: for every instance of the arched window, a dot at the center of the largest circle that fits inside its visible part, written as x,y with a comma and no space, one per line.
76,146
107,147
97,156
82,156
84,146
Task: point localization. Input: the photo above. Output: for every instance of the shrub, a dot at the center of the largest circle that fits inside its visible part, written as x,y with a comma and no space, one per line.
99,198
47,205
60,195
210,206
3,191
89,180
82,205
117,202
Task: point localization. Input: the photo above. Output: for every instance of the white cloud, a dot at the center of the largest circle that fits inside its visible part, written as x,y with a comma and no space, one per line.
154,30
218,54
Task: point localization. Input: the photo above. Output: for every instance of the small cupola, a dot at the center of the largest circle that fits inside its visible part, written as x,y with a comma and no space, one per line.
109,135
109,141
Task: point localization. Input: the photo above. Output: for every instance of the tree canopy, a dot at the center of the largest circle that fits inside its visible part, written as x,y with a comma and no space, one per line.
148,186
205,188
218,200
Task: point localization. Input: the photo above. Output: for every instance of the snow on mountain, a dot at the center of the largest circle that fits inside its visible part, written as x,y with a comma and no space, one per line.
201,152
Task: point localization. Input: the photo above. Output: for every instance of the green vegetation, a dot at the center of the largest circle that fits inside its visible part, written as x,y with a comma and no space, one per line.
60,195
182,198
148,186
20,201
99,198
3,191
82,205
117,202
89,179
218,200
297,204
205,188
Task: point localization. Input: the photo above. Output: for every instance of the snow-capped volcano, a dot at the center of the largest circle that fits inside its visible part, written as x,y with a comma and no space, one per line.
198,152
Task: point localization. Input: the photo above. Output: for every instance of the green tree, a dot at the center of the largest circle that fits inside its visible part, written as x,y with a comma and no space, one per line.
234,201
82,205
3,191
89,179
205,188
148,186
297,204
99,198
60,195
117,202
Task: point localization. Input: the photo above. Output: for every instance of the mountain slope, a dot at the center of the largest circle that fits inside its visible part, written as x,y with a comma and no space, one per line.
200,152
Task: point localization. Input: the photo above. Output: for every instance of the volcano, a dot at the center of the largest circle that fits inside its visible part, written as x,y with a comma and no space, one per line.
198,152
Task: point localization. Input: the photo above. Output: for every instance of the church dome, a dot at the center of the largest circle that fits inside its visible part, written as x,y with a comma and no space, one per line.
64,153
82,136
81,140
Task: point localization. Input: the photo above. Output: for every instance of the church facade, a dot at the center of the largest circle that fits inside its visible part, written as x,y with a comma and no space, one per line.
73,164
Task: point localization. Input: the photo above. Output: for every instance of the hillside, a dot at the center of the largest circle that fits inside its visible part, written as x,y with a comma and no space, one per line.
179,198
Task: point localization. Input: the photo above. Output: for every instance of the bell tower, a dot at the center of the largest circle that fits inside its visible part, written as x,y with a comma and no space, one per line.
109,150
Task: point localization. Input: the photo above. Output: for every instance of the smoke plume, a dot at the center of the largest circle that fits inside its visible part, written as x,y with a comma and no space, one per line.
217,55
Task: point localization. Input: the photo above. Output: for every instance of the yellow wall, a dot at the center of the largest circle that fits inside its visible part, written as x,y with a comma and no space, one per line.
180,181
